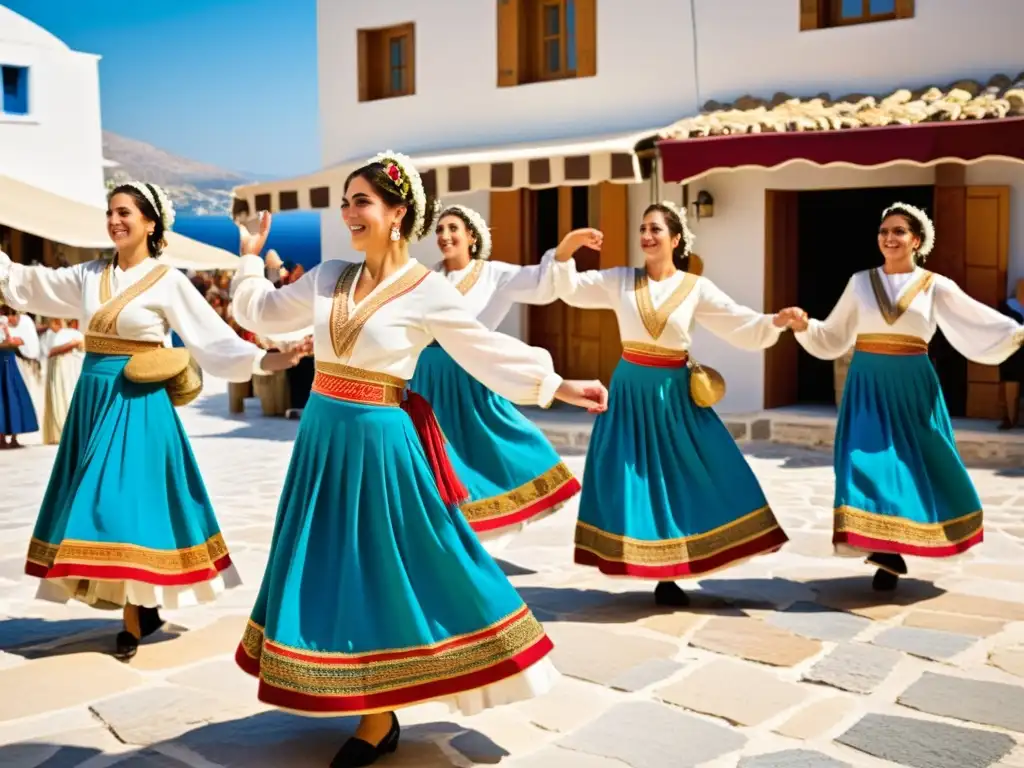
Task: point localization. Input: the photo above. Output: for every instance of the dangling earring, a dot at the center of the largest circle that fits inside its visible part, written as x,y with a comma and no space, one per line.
473,249
396,234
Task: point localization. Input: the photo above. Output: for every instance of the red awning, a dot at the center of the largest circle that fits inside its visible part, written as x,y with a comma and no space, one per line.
921,144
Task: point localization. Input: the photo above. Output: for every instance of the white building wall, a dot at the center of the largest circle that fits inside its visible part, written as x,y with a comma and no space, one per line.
58,146
756,47
644,79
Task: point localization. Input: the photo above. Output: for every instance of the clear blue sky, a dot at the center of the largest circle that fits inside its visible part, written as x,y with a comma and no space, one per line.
227,82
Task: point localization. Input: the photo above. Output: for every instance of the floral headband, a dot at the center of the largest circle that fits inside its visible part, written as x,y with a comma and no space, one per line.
156,197
688,237
477,226
407,181
928,229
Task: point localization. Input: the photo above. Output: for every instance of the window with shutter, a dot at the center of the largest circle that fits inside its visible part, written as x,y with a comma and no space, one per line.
542,40
386,62
821,14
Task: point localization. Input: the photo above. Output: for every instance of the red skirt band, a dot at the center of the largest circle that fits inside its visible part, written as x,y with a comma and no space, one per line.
653,356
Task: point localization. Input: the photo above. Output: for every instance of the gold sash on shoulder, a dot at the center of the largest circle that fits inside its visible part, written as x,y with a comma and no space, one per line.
150,362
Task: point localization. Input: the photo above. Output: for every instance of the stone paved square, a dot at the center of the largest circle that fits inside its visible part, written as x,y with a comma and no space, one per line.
788,661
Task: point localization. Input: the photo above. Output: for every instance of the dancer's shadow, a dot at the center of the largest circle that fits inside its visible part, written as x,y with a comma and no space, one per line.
32,638
265,740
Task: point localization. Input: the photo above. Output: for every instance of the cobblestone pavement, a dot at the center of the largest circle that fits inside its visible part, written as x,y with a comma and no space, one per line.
789,661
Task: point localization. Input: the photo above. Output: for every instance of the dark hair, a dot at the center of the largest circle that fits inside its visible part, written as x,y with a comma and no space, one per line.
914,224
155,242
376,174
475,250
680,254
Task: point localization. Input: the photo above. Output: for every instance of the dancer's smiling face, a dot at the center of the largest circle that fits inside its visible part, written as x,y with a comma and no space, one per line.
897,239
127,226
453,237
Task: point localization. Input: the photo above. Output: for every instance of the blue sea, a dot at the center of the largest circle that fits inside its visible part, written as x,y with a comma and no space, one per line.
294,235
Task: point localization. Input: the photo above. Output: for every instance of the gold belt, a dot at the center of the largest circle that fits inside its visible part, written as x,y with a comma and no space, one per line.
99,344
891,344
355,385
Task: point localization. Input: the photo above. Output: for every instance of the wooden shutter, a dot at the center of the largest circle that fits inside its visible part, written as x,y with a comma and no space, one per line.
508,35
363,63
987,218
904,9
811,16
586,38
781,249
506,223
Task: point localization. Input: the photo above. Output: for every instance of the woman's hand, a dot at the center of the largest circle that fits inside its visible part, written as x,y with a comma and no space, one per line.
252,244
591,395
282,361
791,317
579,238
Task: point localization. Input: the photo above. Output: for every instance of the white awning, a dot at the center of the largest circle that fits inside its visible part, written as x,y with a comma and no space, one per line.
579,162
53,217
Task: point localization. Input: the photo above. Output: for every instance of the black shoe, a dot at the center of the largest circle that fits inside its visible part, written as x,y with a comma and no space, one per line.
885,581
356,753
670,594
127,644
887,561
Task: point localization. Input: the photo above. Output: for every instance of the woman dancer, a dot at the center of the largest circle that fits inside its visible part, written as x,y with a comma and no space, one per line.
901,488
126,520
63,351
377,594
666,491
512,473
17,412
1011,371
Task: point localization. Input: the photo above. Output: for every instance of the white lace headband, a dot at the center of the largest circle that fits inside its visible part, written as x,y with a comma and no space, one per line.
408,181
156,197
927,228
476,224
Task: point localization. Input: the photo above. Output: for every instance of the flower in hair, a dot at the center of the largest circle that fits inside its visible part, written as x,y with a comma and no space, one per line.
688,237
409,184
156,197
927,228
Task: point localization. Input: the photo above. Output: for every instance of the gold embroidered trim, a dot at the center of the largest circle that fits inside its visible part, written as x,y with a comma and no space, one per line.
655,320
1018,338
115,345
688,549
104,322
466,284
344,329
128,555
901,530
891,344
893,312
653,350
525,495
359,374
361,674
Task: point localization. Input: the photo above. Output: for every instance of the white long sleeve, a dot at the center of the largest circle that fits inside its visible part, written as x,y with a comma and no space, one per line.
976,331
213,343
261,308
740,326
831,338
26,331
42,290
530,284
593,289
516,371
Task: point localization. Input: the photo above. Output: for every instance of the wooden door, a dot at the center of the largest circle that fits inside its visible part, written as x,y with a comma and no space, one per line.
593,343
986,252
781,262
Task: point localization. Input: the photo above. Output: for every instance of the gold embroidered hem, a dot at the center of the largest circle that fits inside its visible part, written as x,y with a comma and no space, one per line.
871,531
753,533
378,673
73,554
551,488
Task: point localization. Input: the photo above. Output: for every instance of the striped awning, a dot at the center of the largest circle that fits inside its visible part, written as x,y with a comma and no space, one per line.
524,166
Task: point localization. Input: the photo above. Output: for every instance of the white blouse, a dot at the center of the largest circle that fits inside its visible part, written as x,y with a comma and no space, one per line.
915,304
491,288
386,330
662,312
172,303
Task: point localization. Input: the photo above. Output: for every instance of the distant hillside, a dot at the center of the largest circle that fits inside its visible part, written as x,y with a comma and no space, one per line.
195,188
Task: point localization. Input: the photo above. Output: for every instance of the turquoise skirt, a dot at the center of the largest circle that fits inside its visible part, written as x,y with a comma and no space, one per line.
667,493
126,517
17,414
376,594
901,486
512,472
